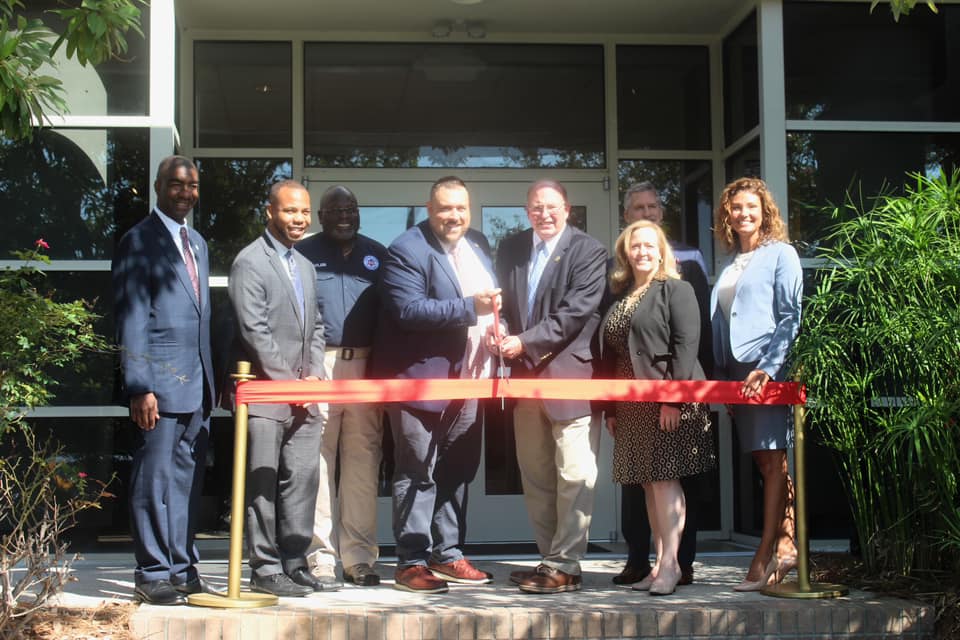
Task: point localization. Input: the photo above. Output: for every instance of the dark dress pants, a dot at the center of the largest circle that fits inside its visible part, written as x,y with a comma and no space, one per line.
283,471
636,525
166,481
436,456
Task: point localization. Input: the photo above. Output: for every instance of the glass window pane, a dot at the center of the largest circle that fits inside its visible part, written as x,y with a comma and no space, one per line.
453,105
243,94
499,222
384,224
115,87
79,189
233,202
94,379
663,97
744,163
843,62
686,192
741,80
822,167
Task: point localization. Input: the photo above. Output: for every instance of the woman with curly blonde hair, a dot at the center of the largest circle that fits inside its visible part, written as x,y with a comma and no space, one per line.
652,332
755,312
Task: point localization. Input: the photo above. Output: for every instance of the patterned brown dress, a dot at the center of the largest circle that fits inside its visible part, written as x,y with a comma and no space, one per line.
642,452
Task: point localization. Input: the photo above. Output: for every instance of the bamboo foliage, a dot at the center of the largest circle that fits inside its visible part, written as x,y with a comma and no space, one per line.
880,354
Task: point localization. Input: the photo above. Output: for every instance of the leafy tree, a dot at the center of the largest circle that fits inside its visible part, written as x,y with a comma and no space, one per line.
95,32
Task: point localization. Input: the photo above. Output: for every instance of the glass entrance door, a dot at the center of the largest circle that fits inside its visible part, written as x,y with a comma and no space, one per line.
496,512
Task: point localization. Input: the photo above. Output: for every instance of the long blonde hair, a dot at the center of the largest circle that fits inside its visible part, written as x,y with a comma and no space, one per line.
771,224
621,278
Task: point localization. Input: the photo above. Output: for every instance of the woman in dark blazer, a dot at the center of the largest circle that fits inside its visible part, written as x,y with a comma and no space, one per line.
755,311
652,332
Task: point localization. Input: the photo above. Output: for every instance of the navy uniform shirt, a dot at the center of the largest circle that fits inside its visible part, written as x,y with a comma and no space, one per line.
346,287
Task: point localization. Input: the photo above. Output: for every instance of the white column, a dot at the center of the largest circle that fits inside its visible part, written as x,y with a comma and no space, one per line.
163,83
773,110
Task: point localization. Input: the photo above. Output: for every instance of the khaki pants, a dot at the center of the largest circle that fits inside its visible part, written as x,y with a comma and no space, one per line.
558,465
355,431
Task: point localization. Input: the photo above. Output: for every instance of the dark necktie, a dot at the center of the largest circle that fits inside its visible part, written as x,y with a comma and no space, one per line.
191,265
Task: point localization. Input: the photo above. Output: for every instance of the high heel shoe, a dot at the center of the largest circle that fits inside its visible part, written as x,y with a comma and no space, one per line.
756,585
643,585
663,587
784,566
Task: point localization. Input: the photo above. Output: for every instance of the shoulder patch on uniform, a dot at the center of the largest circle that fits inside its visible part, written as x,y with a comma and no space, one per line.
371,262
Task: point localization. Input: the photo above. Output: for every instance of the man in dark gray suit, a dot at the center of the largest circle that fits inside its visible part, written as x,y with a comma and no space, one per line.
162,311
273,292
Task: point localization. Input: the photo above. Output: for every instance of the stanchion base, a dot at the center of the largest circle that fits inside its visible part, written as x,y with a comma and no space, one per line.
817,590
247,600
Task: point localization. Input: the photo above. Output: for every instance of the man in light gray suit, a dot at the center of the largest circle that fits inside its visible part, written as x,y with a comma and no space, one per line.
273,292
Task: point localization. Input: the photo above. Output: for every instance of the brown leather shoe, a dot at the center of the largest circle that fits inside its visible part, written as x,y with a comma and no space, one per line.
516,577
550,580
418,579
686,576
460,571
631,575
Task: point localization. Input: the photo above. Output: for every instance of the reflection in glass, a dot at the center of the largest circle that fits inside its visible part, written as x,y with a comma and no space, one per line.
499,222
79,189
233,201
686,192
745,163
823,167
384,224
117,87
844,63
663,97
94,379
741,80
453,105
103,449
243,94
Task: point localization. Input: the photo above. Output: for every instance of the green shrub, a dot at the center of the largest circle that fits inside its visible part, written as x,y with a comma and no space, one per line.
880,353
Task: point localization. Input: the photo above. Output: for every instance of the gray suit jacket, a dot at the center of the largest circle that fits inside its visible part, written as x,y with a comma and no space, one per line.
270,332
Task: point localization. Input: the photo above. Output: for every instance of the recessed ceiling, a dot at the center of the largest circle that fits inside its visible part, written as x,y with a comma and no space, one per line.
651,17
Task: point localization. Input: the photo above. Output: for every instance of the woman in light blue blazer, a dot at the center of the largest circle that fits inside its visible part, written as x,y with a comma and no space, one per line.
755,312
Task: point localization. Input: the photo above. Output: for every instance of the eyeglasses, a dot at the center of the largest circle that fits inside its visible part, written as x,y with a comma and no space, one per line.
545,208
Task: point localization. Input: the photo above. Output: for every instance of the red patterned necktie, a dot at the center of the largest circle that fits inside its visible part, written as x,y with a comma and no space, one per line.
191,265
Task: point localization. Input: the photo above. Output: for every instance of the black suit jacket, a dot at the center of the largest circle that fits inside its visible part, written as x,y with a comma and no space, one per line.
559,341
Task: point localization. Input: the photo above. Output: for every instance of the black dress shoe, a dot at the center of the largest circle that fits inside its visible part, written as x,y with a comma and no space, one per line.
686,576
279,584
198,585
631,575
302,576
159,592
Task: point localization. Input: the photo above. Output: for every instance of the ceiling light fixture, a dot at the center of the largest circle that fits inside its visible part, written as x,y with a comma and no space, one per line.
466,2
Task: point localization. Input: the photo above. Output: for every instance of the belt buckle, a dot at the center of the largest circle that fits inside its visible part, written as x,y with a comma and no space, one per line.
346,354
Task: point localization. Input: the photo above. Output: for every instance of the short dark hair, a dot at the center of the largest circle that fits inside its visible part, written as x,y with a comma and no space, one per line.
446,181
279,186
172,163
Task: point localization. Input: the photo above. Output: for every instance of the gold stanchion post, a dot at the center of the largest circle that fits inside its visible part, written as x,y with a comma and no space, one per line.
235,599
802,588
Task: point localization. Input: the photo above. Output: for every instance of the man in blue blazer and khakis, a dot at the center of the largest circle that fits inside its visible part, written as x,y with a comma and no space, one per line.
553,281
162,312
438,293
274,296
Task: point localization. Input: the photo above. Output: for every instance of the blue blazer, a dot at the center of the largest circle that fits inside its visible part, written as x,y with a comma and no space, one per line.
162,329
765,314
423,328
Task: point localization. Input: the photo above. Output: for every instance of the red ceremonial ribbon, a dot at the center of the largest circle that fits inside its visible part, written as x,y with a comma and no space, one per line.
412,390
